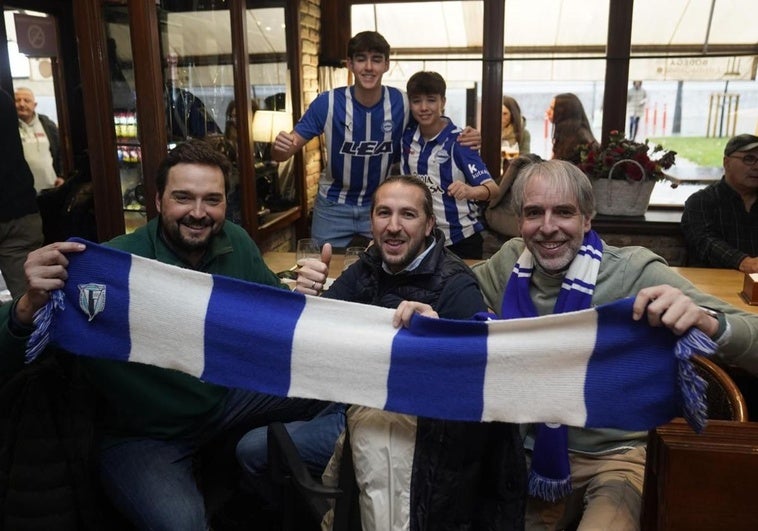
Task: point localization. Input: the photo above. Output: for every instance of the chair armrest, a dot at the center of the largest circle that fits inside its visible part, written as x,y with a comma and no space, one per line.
286,465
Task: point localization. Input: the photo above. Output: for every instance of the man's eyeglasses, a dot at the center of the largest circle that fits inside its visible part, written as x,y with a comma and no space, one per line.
748,160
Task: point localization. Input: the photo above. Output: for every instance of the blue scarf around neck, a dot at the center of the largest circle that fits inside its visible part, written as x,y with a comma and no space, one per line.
550,474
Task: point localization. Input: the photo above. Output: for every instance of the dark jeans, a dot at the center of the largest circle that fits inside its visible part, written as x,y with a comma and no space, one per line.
153,483
634,123
314,440
469,248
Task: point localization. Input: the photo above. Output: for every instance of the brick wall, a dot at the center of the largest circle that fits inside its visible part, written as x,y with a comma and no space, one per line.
310,28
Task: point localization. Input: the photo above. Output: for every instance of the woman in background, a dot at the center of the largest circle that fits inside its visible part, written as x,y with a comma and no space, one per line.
571,128
514,129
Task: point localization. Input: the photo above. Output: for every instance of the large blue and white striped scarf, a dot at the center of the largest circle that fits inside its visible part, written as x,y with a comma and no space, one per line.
123,307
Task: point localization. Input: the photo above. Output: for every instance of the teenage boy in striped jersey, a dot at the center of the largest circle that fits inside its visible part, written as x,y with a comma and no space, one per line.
454,173
363,125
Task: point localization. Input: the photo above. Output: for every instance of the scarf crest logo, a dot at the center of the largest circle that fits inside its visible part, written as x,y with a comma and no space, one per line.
91,299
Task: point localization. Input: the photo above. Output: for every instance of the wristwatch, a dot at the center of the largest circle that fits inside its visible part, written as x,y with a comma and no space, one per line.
719,316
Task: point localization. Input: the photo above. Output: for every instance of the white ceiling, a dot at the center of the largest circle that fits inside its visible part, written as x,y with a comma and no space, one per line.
559,22
458,24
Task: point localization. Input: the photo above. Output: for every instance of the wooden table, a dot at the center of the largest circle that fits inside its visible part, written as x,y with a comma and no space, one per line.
725,284
705,481
722,283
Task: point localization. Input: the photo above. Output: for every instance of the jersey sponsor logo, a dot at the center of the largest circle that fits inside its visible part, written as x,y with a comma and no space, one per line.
442,156
366,148
387,126
475,171
434,187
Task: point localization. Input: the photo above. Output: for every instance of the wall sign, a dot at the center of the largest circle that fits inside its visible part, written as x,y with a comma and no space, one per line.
37,36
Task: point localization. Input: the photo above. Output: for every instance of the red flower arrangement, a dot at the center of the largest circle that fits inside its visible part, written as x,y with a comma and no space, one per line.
615,159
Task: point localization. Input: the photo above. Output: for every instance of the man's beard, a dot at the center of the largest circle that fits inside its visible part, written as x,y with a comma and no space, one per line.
175,238
402,261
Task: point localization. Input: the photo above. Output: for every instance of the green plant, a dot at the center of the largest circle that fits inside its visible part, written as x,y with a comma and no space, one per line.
601,163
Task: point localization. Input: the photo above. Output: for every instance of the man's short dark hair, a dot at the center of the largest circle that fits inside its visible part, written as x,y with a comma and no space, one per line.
410,180
193,151
424,83
368,41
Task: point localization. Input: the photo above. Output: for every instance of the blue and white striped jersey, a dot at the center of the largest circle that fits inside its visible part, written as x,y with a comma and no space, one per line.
439,162
362,143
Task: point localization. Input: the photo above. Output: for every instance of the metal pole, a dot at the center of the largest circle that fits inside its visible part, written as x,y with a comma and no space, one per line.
723,105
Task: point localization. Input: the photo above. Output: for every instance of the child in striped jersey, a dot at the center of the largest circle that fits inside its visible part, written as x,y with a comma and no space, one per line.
454,173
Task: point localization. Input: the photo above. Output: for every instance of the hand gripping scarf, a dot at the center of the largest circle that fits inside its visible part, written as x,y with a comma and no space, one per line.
122,307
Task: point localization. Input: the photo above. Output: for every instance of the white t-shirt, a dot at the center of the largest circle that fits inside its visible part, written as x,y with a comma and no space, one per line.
37,153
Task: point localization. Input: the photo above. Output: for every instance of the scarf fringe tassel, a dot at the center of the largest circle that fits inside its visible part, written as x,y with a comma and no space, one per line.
548,489
693,387
43,320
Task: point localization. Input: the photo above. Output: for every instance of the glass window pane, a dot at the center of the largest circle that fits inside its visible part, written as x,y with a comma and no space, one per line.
198,76
533,84
128,147
271,111
693,106
446,24
461,77
550,23
677,22
459,25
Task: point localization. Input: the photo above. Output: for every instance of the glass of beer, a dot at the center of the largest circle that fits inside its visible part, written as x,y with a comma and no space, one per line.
509,151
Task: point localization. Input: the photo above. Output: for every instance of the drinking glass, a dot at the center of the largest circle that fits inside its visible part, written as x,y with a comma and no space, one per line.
509,151
351,256
307,249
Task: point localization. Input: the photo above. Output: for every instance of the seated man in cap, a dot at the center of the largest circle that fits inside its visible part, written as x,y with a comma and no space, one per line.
720,222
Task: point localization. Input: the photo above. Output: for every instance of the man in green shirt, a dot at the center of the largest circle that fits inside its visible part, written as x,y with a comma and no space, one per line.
156,420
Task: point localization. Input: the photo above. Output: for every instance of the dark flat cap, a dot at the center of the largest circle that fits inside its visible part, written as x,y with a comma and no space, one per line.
741,143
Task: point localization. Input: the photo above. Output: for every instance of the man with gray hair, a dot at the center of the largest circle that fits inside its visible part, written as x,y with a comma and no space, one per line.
560,265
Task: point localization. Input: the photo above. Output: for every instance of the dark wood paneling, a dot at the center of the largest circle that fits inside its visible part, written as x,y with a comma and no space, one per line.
148,81
617,67
294,65
245,162
701,481
95,81
335,32
492,85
